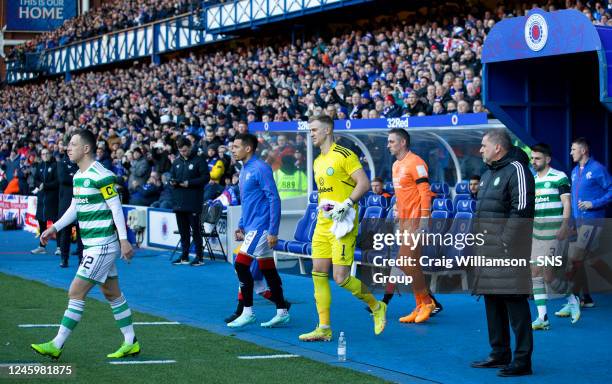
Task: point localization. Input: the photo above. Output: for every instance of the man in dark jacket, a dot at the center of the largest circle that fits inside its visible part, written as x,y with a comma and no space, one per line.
504,211
47,192
189,176
65,172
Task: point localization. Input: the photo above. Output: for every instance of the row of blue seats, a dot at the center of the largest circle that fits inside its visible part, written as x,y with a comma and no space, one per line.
377,207
444,221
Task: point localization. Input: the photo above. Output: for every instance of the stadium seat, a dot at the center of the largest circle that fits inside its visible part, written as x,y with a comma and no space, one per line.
461,223
442,205
441,190
363,203
377,201
389,187
466,206
460,197
304,228
462,188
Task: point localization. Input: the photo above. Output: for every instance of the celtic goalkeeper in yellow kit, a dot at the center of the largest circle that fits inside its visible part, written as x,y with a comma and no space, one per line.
341,183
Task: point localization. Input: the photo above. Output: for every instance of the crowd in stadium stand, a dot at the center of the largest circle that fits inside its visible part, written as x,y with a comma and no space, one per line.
111,16
389,70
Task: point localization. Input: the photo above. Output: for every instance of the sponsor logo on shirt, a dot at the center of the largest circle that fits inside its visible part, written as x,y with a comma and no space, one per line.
82,200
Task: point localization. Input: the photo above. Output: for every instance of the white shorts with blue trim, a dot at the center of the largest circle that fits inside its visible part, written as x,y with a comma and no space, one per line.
256,244
588,237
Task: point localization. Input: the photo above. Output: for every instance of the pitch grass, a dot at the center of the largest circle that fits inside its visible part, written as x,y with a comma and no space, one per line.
202,357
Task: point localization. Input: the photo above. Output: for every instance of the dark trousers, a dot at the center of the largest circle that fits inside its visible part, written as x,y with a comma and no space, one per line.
503,312
42,225
65,237
185,221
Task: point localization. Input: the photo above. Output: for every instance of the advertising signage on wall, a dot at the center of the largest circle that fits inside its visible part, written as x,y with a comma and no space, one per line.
38,15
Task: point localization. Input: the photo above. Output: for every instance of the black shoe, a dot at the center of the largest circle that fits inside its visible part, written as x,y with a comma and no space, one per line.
237,312
198,262
490,362
515,370
180,261
438,307
587,301
63,265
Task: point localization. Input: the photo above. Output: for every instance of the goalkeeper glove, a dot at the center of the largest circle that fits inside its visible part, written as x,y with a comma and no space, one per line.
340,210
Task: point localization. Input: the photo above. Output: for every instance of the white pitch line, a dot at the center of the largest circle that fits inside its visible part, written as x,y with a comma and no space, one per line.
3,365
157,323
267,357
143,362
136,323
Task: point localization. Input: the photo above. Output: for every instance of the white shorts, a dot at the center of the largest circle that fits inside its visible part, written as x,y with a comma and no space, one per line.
545,248
98,263
255,244
588,237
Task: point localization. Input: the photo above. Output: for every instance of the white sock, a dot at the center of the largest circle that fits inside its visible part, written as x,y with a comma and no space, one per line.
247,311
539,296
71,319
123,318
281,312
572,299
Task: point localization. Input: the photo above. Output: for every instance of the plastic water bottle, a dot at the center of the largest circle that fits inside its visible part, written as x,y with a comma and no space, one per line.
341,347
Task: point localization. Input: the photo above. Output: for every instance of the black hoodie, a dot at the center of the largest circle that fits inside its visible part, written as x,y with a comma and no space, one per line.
504,211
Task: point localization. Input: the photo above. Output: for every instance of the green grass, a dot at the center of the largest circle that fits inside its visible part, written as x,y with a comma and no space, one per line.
202,357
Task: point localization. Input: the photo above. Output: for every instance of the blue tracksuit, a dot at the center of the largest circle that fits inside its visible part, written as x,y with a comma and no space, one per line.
261,208
592,183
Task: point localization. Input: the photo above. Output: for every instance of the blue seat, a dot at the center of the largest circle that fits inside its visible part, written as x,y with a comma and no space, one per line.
462,223
441,190
389,187
442,205
466,206
364,199
303,233
462,188
392,201
460,197
303,230
439,224
363,203
377,201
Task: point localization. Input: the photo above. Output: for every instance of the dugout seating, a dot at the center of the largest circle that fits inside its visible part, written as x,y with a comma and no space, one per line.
446,217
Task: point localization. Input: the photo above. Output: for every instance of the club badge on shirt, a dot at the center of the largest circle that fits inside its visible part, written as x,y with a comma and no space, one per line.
421,171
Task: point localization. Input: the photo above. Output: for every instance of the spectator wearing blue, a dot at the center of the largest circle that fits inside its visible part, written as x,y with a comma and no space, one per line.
165,197
148,193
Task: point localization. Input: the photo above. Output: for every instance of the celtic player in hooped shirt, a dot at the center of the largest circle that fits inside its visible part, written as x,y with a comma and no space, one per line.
96,206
